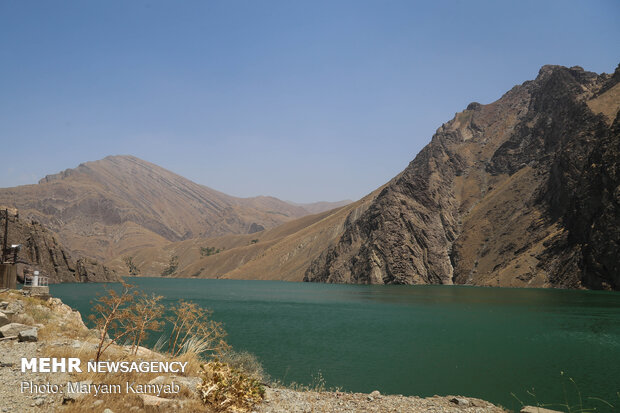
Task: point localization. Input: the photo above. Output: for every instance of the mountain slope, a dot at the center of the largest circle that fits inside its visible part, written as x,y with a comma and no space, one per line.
318,207
521,192
283,252
121,203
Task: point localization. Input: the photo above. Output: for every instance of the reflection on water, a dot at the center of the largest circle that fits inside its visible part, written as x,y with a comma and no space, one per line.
420,340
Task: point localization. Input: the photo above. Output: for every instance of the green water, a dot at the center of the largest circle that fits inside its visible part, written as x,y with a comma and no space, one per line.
414,340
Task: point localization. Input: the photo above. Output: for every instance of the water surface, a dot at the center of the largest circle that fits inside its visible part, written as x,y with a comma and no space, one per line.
414,340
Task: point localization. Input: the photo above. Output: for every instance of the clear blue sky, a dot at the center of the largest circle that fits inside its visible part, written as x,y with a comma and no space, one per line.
303,100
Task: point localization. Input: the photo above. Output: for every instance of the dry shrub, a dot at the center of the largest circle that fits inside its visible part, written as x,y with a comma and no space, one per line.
227,389
245,362
143,317
111,315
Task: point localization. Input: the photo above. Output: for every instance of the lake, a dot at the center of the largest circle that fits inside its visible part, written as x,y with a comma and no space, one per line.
414,340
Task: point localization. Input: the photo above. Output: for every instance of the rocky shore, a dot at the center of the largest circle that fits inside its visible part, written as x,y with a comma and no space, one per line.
32,328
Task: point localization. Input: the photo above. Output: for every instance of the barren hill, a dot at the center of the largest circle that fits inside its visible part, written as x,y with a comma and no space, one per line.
283,252
121,203
524,191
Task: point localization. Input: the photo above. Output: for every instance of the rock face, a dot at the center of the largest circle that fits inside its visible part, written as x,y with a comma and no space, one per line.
524,191
42,252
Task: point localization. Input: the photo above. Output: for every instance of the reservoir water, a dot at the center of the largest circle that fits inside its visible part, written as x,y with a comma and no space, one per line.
414,340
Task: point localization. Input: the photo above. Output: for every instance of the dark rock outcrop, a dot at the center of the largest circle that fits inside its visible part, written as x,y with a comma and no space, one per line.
42,252
255,228
521,192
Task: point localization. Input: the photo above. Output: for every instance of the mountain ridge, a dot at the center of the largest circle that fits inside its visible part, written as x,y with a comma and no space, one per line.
106,207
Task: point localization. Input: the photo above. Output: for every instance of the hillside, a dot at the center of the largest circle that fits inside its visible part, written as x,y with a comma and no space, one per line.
121,203
283,252
524,191
318,207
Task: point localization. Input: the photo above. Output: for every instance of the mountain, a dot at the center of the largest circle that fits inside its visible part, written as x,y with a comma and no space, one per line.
521,192
283,252
524,191
42,252
121,203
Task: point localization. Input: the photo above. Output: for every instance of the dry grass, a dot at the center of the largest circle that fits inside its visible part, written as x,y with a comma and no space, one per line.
87,352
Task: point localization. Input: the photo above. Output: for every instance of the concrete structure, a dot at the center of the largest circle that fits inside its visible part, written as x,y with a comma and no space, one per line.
36,284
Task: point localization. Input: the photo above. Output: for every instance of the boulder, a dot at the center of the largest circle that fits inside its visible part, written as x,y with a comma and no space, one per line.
12,329
4,320
68,313
460,401
28,335
15,307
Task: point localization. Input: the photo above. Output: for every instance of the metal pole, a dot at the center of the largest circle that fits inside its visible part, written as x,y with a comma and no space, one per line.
6,233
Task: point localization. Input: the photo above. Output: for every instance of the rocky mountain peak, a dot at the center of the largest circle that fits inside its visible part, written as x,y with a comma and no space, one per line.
499,196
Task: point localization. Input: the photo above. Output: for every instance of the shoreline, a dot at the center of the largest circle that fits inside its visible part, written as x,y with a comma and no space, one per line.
63,332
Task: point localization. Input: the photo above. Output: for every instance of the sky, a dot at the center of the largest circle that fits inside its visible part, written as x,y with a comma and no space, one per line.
302,100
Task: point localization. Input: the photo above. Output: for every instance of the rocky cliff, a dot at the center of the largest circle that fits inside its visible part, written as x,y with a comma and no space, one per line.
41,252
524,191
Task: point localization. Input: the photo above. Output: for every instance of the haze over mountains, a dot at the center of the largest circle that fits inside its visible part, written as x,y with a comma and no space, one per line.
524,191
